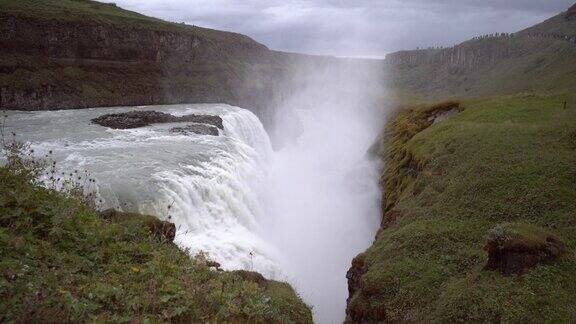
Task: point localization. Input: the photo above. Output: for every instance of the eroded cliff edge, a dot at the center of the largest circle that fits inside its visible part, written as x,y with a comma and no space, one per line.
477,216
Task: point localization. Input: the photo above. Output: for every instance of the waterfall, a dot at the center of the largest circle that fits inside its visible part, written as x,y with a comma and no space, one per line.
209,186
216,204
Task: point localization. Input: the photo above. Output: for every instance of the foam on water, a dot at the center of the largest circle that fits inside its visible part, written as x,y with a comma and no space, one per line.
207,185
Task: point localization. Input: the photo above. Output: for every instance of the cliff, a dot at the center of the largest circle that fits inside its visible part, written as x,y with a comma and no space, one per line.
478,216
542,57
79,53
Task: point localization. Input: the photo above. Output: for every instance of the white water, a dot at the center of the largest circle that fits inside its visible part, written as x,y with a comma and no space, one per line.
211,183
299,214
323,192
325,202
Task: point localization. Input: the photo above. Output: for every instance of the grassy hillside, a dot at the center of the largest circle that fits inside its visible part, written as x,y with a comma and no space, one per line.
540,65
502,165
107,13
562,24
62,262
540,58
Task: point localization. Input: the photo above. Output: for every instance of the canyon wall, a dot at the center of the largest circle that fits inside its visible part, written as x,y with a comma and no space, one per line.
477,52
542,57
79,61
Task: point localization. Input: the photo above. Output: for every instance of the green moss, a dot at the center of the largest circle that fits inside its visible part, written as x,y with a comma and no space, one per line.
61,262
502,160
401,165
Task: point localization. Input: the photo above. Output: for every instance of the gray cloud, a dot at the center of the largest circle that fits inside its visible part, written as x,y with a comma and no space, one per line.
354,27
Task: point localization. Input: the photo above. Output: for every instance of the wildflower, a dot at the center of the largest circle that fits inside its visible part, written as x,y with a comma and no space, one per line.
135,269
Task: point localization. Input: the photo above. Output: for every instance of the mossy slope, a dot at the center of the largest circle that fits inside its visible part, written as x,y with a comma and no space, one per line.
61,262
539,58
501,160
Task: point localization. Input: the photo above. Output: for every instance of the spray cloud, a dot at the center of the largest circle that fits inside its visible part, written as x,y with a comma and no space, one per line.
323,196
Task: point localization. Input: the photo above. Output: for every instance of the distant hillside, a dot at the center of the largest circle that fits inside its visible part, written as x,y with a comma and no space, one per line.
562,24
540,58
61,54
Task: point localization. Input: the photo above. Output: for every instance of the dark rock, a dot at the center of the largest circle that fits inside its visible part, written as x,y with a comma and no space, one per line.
135,119
357,310
159,229
513,248
214,264
200,129
203,119
355,273
132,119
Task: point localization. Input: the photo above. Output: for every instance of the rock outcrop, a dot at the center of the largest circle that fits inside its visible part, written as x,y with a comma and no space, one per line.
135,119
355,312
514,248
474,53
200,129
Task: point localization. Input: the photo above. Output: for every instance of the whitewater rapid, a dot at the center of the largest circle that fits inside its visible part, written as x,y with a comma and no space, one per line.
209,186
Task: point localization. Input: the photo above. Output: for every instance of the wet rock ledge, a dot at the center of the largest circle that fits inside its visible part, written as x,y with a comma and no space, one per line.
203,124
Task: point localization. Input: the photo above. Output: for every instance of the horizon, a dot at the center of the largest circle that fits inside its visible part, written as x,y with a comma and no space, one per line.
310,28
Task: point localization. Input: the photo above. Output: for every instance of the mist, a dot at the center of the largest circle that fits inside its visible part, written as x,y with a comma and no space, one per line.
322,197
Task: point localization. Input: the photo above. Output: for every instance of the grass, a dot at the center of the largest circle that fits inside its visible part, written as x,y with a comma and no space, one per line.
62,262
501,160
107,14
520,65
519,235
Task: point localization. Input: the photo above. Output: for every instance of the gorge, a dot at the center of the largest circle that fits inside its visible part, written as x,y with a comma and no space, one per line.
230,196
381,190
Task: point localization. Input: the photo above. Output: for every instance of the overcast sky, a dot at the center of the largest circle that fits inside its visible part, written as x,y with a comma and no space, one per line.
354,27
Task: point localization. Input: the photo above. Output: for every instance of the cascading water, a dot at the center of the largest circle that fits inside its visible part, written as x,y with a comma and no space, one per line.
207,185
299,214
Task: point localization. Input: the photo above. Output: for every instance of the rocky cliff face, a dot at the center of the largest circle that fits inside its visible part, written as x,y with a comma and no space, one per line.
540,57
503,63
91,40
49,63
474,53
